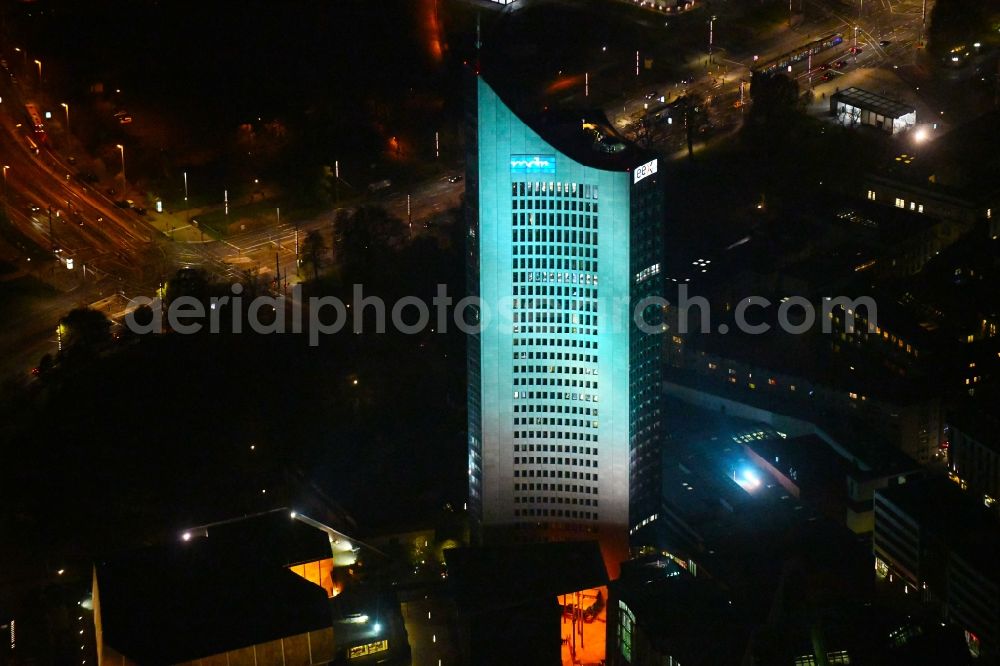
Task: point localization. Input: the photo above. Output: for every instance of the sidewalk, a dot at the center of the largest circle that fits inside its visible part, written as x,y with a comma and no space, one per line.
178,226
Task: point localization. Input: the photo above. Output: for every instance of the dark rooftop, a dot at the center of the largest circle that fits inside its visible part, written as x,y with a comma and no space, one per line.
952,514
505,576
976,417
683,616
277,539
550,99
187,599
581,133
865,99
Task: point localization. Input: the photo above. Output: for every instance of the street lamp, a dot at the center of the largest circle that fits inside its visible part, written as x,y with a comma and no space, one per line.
5,167
66,106
121,148
39,63
711,37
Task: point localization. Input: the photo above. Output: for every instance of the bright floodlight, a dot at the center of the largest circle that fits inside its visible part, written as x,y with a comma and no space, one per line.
186,536
293,514
747,480
377,628
920,136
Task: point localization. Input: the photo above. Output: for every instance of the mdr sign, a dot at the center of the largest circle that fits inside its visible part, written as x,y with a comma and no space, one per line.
643,170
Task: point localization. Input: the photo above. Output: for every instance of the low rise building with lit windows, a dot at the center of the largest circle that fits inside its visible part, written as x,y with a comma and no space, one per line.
855,106
949,177
974,447
940,543
659,613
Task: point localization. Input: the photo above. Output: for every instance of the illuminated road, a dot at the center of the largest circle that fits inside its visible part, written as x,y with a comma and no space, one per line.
718,83
264,249
85,225
429,631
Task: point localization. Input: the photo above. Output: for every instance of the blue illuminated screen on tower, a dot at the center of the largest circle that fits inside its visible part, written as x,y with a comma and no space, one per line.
530,164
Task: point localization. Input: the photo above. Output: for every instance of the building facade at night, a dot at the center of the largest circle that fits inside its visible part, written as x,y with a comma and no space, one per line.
564,242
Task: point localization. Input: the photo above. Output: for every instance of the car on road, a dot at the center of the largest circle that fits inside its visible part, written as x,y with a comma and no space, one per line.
828,76
884,43
652,94
840,64
34,209
825,65
455,179
687,80
383,184
856,50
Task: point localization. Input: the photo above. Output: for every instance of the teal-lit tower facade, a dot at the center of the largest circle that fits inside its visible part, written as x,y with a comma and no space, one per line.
564,241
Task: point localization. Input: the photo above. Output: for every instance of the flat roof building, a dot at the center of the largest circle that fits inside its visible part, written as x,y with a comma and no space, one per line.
531,604
855,106
260,589
941,543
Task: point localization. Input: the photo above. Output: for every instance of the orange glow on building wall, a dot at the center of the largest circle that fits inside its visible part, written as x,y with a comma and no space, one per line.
582,629
319,573
432,29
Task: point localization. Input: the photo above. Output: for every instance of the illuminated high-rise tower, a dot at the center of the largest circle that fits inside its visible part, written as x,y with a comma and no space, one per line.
564,242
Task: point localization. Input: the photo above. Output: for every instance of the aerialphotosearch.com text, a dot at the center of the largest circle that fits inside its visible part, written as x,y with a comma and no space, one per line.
317,316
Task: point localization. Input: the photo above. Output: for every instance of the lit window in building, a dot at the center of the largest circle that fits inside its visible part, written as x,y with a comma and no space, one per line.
838,657
626,625
900,203
871,195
